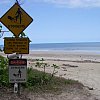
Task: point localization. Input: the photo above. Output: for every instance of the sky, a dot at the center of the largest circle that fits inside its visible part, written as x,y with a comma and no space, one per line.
58,21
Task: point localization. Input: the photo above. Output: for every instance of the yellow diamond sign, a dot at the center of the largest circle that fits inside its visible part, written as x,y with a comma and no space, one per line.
16,19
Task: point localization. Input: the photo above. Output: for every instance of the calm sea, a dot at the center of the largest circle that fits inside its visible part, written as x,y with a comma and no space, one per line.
91,46
88,46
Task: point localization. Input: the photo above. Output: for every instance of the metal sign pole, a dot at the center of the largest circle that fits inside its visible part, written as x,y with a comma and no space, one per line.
17,2
19,87
19,84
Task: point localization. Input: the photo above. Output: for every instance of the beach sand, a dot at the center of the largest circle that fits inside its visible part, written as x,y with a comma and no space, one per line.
81,66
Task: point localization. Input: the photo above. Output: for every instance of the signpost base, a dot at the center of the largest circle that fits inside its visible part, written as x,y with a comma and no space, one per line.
15,88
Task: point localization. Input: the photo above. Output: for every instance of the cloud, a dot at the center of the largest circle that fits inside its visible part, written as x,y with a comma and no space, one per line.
65,3
73,3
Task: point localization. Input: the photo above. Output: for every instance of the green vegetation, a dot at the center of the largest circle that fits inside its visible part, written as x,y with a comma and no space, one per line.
3,72
36,80
40,82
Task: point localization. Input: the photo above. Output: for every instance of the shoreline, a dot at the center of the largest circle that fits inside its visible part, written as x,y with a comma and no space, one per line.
66,51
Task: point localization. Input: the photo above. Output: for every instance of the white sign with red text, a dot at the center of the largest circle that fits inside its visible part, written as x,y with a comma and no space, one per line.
17,70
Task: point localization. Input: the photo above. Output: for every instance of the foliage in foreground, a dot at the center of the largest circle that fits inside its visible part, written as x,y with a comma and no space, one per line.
40,80
36,80
3,72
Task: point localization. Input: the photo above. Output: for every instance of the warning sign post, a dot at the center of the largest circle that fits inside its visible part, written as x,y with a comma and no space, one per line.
16,19
17,70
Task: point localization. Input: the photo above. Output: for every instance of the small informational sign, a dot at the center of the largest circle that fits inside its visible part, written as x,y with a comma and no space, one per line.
16,19
16,45
17,70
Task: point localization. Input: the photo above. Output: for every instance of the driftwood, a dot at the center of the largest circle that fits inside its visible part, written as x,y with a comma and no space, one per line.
69,65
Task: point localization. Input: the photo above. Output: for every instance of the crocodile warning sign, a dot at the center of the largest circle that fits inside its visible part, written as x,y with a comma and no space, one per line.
16,19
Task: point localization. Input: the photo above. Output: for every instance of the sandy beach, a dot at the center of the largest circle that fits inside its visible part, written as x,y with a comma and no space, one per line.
87,70
81,66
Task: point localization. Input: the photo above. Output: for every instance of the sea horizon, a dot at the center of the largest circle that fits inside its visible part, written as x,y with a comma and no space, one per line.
79,46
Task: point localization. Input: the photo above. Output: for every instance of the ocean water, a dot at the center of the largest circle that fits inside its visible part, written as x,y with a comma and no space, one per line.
88,46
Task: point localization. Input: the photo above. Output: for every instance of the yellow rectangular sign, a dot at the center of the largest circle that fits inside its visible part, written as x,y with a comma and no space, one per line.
16,45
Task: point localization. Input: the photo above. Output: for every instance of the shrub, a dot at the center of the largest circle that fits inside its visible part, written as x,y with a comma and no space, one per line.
4,81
